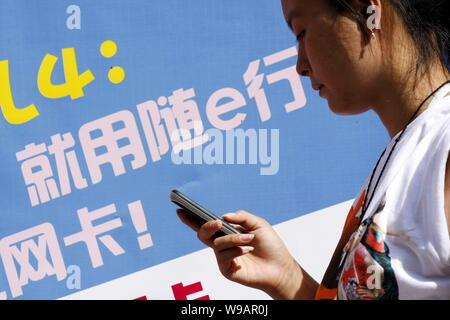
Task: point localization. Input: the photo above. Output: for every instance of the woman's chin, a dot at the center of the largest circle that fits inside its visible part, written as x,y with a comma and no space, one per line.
343,109
336,108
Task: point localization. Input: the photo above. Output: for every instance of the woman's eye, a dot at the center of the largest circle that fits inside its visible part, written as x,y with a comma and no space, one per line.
301,35
299,38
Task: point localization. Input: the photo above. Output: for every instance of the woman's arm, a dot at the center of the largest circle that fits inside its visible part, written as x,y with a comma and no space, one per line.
300,286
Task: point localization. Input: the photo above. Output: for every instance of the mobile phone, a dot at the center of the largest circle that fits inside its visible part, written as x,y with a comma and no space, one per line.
201,214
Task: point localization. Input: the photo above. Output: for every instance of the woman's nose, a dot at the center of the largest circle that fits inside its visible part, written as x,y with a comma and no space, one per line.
303,67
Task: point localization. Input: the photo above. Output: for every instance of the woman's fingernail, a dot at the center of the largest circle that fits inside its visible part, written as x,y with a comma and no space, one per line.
217,224
229,214
246,237
246,249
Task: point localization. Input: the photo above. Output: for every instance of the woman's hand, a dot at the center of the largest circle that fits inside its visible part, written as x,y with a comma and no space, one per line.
257,258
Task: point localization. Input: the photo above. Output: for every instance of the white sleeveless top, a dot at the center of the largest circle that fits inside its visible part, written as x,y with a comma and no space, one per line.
403,250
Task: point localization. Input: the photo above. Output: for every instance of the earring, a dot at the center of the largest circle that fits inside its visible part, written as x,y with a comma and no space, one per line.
373,35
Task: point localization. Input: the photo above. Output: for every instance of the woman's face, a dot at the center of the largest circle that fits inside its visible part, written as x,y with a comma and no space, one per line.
335,55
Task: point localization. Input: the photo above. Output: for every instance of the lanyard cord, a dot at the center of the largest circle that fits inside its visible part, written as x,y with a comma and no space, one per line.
364,206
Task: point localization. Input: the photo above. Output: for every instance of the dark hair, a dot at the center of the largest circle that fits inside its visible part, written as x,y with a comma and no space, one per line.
427,22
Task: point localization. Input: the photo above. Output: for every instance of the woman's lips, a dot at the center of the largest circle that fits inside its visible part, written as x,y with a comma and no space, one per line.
317,86
320,89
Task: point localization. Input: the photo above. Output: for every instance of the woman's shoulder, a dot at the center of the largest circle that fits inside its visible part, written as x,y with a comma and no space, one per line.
440,125
442,135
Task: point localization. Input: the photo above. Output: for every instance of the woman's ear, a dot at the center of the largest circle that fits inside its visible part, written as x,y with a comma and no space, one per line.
374,19
360,4
367,8
370,10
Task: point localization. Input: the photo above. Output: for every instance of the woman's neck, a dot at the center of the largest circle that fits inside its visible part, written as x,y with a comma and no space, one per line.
400,100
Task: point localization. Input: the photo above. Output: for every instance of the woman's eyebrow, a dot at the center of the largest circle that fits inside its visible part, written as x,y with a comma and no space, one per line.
291,15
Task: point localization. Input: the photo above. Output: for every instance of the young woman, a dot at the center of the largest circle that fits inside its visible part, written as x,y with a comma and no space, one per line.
389,56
